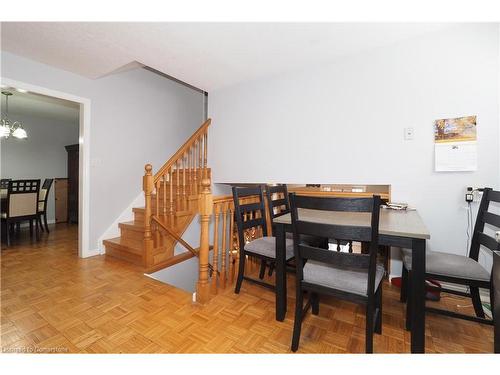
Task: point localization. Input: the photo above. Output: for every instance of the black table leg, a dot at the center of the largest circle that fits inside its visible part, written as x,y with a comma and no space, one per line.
280,273
418,296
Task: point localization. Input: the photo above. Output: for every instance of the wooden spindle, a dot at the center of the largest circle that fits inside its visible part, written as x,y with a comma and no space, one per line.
231,243
158,184
215,250
195,169
177,191
171,182
205,150
165,176
190,176
206,206
224,248
184,176
147,186
200,159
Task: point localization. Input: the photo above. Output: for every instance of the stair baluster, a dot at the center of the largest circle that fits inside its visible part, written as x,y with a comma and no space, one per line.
215,252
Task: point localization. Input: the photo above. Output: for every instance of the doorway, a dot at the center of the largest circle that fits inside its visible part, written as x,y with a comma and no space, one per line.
74,178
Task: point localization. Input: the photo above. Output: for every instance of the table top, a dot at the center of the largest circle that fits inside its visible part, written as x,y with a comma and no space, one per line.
402,223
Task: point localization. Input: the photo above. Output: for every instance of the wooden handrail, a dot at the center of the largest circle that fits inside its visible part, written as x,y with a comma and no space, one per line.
182,150
179,239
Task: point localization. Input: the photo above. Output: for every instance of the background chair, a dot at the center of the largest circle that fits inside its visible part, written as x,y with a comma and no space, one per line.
460,269
252,216
354,277
4,185
22,205
279,205
43,197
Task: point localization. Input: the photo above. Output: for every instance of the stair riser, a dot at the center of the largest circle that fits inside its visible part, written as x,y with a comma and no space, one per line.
132,234
139,217
116,252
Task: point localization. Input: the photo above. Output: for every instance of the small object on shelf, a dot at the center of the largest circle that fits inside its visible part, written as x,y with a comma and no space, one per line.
396,206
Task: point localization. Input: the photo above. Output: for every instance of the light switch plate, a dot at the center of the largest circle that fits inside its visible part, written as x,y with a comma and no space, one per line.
408,134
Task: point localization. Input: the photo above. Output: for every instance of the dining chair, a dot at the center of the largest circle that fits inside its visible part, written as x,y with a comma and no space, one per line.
278,205
43,197
350,276
252,217
460,269
22,205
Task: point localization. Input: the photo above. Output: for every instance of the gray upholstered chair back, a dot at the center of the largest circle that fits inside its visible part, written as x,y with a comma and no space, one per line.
23,198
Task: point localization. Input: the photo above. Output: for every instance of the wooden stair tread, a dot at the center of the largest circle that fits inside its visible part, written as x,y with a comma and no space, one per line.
176,213
132,225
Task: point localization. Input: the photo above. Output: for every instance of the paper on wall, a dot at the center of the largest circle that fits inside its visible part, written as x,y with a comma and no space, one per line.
455,144
453,157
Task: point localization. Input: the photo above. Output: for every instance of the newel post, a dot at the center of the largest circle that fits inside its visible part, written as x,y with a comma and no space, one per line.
205,205
147,185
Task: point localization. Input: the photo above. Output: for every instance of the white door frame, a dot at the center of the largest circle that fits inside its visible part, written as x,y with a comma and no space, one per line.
84,158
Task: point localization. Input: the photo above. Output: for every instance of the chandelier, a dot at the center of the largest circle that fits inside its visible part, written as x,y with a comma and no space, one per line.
8,128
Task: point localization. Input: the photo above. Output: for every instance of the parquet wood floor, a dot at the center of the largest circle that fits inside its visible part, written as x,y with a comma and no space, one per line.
52,301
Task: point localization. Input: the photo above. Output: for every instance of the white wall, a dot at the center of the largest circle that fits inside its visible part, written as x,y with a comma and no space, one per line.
343,123
42,155
136,117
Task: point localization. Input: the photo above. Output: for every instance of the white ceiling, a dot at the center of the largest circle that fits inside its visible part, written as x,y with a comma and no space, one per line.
40,106
205,55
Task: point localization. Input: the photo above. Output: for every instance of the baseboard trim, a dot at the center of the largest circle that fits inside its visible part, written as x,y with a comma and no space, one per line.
92,253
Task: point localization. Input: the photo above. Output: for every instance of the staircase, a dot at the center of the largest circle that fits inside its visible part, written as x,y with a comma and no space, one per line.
170,205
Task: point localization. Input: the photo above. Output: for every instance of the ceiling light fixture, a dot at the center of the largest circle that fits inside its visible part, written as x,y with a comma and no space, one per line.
8,128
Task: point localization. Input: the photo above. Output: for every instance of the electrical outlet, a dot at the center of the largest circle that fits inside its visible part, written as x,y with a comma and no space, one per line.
469,195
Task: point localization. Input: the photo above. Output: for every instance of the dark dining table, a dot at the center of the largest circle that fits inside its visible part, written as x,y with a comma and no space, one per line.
398,228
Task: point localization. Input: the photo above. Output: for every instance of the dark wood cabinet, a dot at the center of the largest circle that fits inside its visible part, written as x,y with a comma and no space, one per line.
61,199
73,174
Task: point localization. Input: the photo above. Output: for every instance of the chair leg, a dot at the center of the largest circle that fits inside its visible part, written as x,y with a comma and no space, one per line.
492,300
262,269
7,234
39,221
369,325
31,228
271,269
241,270
476,301
404,285
45,222
378,299
297,325
37,232
315,303
409,304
